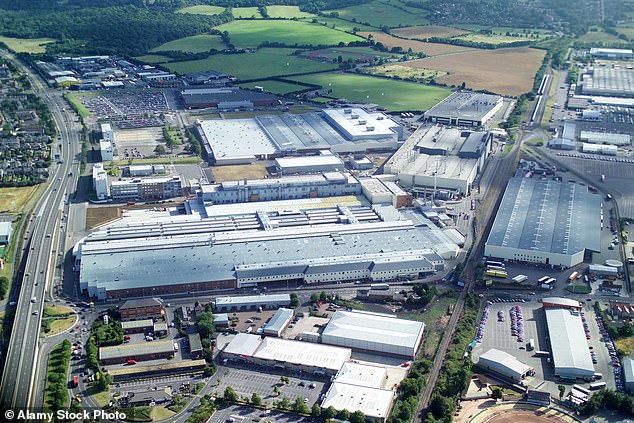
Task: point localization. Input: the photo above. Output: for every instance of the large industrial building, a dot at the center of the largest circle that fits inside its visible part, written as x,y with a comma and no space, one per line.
139,352
605,138
245,249
147,189
437,157
291,355
545,221
504,364
375,404
251,302
325,161
227,98
374,332
612,53
571,355
465,109
237,141
607,81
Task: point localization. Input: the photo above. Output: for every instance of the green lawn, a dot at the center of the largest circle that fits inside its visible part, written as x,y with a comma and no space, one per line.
277,87
380,13
202,9
194,44
153,58
264,63
253,33
392,94
246,12
77,105
287,12
341,24
26,45
348,53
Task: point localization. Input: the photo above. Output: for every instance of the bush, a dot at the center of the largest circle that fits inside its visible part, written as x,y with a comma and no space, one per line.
4,287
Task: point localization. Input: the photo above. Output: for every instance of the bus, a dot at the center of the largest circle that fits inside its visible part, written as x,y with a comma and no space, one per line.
380,286
550,281
543,279
582,389
497,273
496,268
573,276
595,386
494,263
75,381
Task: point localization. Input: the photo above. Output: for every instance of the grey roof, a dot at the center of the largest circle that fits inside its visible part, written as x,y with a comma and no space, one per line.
252,299
243,344
195,344
279,320
136,324
628,370
151,395
474,143
504,363
547,216
221,95
5,228
141,302
253,273
465,105
134,350
571,355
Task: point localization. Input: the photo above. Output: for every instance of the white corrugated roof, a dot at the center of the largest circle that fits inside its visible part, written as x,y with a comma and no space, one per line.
370,401
362,375
571,355
506,363
243,344
305,354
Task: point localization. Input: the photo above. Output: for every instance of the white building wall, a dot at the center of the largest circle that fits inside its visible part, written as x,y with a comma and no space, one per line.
533,256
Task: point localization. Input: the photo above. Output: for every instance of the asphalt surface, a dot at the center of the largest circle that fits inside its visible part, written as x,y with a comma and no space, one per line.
22,355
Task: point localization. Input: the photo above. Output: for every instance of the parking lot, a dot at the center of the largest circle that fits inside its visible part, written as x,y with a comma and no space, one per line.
498,334
249,379
243,413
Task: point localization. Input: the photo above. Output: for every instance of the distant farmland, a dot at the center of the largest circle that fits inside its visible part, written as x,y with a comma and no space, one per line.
428,31
382,13
392,94
508,71
254,32
194,44
429,49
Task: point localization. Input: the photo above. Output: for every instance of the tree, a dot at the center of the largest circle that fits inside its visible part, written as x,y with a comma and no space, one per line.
256,399
496,392
315,411
329,413
284,379
4,287
276,390
159,149
314,297
230,394
357,417
343,414
300,407
294,300
562,391
284,403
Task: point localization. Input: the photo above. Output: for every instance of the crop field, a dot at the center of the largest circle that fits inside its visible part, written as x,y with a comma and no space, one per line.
429,49
626,30
246,12
493,39
276,87
202,9
265,63
405,72
194,44
153,58
428,31
507,71
287,12
340,24
253,33
354,53
391,94
382,13
600,37
26,45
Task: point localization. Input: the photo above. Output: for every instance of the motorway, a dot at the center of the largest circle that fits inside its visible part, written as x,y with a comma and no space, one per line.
21,360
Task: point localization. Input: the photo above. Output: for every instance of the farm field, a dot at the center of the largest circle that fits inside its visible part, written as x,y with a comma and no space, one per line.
26,45
383,13
153,58
508,71
254,33
354,53
287,12
276,87
600,37
340,24
428,31
405,72
429,49
265,63
202,9
626,30
194,44
391,94
246,12
493,39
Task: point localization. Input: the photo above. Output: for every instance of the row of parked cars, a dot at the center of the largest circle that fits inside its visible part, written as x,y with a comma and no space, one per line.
609,344
517,322
483,322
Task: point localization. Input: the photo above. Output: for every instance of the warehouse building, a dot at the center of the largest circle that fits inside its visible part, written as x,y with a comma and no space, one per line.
607,81
279,322
241,141
251,303
328,184
137,326
628,374
607,150
612,53
385,192
436,157
6,230
545,221
505,365
227,98
142,309
139,352
141,371
373,332
147,189
325,161
379,243
559,302
562,144
605,138
100,181
375,404
571,356
465,109
286,354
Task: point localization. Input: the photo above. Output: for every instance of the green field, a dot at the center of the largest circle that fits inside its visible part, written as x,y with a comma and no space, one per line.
77,105
277,87
194,44
26,45
379,13
347,53
153,58
341,24
202,9
392,94
265,63
287,12
600,37
493,39
253,33
246,12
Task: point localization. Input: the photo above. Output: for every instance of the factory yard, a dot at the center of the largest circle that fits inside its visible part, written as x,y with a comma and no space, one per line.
506,71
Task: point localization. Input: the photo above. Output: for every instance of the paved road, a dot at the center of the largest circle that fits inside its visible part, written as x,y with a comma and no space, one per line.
21,359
